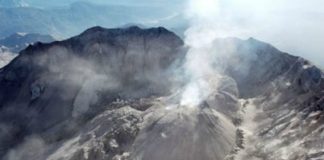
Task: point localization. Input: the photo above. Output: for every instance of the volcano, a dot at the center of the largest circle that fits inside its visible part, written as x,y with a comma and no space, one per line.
116,94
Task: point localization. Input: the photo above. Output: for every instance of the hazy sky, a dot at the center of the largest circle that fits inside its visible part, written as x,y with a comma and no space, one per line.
294,26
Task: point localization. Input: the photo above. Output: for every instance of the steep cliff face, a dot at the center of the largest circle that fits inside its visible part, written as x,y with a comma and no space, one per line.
115,94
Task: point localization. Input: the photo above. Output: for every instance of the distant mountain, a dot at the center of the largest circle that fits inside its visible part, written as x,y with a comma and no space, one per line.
19,41
13,3
65,21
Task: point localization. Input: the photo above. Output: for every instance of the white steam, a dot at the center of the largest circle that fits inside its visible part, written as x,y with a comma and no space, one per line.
199,39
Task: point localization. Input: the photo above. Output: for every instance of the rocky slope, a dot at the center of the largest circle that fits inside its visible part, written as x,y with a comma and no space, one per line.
282,99
115,94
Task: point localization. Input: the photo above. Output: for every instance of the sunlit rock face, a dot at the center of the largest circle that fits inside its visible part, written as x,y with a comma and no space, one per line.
185,134
118,94
190,132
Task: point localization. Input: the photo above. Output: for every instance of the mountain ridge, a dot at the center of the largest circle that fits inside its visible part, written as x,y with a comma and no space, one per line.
81,15
44,76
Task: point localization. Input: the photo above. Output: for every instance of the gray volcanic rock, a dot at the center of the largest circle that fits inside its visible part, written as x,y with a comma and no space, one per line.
48,84
165,130
283,106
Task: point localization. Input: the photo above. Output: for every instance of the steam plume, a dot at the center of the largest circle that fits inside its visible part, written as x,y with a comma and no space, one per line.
199,40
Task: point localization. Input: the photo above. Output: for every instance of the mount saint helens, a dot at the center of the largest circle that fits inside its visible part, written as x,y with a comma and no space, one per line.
115,94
